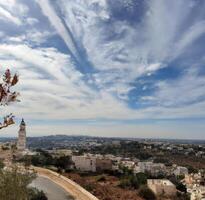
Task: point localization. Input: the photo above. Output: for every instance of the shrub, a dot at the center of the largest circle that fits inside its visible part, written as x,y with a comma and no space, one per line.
1,165
142,178
181,187
133,181
124,183
89,188
100,178
35,194
14,185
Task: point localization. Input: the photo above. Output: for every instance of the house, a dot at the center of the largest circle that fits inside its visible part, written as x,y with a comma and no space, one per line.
145,166
92,163
85,163
162,187
154,168
180,171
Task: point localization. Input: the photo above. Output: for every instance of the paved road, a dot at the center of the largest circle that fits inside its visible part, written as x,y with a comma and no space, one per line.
68,185
52,190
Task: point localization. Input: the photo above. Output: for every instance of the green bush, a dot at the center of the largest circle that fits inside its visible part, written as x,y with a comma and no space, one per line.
133,181
45,159
192,169
35,194
1,165
124,183
100,178
181,187
142,178
89,188
14,185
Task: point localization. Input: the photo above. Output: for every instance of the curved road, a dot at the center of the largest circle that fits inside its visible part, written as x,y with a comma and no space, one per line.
51,189
68,185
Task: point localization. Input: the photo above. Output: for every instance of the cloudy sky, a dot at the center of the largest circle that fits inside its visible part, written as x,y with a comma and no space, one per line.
132,68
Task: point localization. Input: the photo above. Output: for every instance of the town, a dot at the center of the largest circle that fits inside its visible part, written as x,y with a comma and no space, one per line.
169,169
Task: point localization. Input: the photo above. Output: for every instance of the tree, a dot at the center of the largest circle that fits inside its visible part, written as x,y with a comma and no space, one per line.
35,194
133,181
181,187
142,178
192,169
63,162
14,185
7,96
1,165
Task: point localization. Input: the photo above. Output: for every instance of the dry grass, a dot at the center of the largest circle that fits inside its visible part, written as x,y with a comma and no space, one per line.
107,189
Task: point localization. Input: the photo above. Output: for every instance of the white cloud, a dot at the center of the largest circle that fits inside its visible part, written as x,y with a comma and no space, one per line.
57,23
52,89
5,15
51,86
187,89
193,33
1,34
13,10
142,49
31,37
50,92
32,21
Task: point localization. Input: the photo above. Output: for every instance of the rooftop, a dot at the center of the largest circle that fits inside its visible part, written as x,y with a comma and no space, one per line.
159,182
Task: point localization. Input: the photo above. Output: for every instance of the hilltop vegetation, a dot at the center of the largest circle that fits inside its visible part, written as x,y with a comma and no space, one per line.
15,185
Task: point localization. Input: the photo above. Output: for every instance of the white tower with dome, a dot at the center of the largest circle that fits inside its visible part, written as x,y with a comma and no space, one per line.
21,144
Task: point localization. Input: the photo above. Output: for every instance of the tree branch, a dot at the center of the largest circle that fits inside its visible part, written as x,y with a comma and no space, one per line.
6,96
8,120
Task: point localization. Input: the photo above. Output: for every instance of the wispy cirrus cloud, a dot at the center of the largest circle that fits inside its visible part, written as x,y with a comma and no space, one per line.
56,21
93,60
4,14
13,11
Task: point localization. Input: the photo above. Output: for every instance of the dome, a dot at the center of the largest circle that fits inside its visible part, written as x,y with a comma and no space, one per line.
22,122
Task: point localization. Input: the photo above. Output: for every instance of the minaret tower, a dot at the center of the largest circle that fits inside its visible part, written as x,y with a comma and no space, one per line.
21,144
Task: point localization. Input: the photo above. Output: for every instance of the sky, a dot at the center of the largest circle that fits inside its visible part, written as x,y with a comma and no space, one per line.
122,68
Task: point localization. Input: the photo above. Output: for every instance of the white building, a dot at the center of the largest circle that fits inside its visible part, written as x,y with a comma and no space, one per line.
154,168
162,187
92,163
85,163
145,166
181,171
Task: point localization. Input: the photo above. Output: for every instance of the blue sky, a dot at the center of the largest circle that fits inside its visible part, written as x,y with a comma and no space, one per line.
132,68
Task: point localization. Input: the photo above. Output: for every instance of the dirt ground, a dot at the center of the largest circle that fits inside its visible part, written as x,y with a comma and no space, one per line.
197,163
106,189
